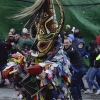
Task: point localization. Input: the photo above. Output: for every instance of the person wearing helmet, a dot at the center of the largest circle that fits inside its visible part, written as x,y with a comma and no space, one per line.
28,38
20,43
26,34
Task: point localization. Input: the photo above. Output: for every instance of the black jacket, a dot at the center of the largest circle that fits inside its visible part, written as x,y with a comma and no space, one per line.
3,54
75,56
97,63
93,55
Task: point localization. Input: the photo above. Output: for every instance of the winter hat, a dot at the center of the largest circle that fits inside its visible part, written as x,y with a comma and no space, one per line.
71,36
11,32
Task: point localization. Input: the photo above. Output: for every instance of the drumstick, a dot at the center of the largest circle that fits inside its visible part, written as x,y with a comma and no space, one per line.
14,71
7,68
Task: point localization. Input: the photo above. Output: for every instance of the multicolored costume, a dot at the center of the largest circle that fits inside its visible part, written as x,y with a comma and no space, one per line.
46,79
47,26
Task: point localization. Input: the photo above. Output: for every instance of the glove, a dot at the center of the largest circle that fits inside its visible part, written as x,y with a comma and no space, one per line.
98,57
86,56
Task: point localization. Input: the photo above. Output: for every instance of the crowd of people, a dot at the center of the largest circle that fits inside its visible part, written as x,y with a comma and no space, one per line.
74,47
15,42
92,52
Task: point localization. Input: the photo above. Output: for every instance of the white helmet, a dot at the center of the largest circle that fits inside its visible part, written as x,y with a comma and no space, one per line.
24,30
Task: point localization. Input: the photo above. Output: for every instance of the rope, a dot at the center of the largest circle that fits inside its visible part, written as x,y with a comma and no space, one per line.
68,5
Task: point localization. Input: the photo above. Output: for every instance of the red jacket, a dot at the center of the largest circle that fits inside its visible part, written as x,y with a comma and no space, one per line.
98,39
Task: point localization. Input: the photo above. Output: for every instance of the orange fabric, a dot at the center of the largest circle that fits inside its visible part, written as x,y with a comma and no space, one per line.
47,66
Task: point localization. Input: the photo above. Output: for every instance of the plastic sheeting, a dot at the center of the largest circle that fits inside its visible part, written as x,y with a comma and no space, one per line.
82,14
7,9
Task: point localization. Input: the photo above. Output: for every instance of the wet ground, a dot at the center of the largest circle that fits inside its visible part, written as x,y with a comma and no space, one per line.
9,93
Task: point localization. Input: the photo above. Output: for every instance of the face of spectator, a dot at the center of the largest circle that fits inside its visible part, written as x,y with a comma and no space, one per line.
80,45
67,43
16,37
11,37
76,30
24,37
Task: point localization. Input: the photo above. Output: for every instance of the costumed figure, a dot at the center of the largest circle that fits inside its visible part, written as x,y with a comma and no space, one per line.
41,80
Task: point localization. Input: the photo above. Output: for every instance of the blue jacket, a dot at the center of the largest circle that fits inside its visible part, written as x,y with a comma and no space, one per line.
82,50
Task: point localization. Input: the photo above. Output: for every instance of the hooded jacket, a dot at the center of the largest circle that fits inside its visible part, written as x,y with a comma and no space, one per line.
82,50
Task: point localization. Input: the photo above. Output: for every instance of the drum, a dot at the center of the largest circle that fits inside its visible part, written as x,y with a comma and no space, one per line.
31,84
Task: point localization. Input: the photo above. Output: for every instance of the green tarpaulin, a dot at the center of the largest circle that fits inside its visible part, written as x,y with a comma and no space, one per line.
83,14
7,9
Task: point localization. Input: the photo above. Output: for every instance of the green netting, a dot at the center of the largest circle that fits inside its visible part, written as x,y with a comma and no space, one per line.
85,17
7,9
78,13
